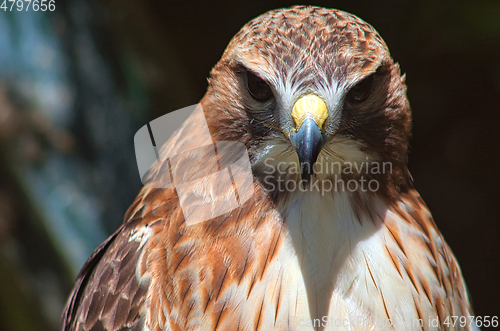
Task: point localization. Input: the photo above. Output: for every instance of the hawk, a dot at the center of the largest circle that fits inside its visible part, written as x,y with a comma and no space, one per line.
334,235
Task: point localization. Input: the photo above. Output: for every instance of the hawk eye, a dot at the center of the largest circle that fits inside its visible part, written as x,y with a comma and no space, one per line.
361,91
258,88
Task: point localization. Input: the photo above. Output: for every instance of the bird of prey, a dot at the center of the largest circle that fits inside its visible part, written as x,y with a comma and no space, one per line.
316,99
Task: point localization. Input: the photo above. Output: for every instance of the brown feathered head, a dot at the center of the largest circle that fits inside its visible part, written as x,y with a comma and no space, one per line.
306,85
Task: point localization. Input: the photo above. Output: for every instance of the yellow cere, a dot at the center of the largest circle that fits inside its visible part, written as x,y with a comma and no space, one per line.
309,106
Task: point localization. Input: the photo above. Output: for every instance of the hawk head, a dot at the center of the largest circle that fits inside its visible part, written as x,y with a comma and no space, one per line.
312,91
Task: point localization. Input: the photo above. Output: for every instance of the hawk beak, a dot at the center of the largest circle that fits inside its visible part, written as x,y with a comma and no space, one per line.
309,114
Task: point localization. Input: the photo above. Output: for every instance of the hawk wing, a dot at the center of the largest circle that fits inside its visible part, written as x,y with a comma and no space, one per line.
108,294
422,258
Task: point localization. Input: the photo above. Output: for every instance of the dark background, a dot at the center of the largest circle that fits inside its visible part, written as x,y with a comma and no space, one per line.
77,83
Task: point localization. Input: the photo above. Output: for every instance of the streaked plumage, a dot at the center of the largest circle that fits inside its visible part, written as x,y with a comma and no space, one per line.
284,258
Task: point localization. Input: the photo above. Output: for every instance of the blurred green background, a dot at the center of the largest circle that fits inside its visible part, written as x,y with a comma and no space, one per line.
78,82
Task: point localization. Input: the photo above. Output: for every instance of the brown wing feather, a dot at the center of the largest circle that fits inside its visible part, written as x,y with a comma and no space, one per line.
433,269
106,295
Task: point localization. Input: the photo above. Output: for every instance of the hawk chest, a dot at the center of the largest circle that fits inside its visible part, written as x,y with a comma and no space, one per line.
313,282
326,271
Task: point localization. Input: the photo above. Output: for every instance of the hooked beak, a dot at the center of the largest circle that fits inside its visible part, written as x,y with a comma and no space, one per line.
309,114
